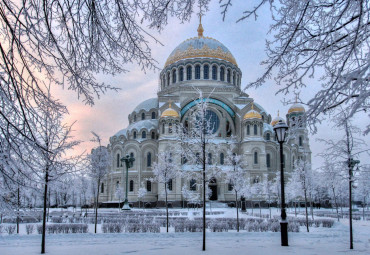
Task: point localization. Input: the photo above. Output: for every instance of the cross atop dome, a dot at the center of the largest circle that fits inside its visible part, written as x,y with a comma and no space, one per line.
200,27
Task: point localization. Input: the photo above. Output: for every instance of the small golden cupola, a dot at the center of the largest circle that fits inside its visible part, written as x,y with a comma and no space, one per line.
296,108
169,112
276,120
252,114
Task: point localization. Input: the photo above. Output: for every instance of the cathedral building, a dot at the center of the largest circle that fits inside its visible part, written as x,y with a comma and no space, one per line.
208,65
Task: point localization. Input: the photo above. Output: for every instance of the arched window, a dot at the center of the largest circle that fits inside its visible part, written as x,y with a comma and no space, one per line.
256,179
255,129
168,79
300,141
293,162
268,160
255,158
234,78
206,72
153,135
188,73
117,184
173,76
169,184
197,157
143,134
143,116
268,137
181,74
132,155
163,128
230,186
228,129
153,115
228,76
149,159
102,187
197,72
131,185
222,74
134,134
248,130
170,128
118,159
184,160
214,72
222,158
209,159
134,118
149,186
193,185
170,158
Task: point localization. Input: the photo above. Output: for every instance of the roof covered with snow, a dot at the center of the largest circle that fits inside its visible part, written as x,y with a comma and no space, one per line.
267,127
147,124
147,105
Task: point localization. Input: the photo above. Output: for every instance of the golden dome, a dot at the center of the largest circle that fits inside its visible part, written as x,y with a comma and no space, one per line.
296,108
252,114
200,47
276,120
169,112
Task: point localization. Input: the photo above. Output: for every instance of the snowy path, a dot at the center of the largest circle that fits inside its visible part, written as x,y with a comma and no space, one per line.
318,241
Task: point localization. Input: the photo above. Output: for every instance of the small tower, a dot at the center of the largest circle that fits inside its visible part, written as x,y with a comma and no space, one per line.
252,123
168,122
296,120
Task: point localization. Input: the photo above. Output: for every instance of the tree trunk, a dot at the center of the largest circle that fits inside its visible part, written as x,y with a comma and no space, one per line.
363,209
305,206
18,205
48,206
204,192
295,208
237,211
165,187
96,206
44,211
259,204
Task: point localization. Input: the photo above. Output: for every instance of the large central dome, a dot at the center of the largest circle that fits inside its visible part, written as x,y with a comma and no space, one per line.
200,47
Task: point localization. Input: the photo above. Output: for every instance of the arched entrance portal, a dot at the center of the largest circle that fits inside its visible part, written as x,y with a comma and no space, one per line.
213,187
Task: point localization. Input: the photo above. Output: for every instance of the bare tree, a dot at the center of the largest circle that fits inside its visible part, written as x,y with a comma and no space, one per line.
164,171
196,145
236,178
344,151
49,162
329,39
100,160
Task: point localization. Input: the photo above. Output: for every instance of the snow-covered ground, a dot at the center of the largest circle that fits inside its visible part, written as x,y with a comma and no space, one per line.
321,240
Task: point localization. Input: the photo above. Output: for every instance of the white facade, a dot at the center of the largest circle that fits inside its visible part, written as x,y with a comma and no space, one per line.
206,64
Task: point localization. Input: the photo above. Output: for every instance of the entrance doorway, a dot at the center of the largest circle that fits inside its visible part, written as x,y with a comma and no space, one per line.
213,187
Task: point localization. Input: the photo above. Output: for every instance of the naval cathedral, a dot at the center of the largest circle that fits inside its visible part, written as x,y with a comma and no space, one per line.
206,64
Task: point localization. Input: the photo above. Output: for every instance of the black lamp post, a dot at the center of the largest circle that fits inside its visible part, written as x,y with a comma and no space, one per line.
281,129
351,164
129,161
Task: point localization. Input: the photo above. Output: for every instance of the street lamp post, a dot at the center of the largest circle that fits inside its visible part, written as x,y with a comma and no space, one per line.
281,129
351,164
129,161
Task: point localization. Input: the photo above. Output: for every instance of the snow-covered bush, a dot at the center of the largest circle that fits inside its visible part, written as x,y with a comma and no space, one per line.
10,229
30,228
112,228
63,228
57,219
327,223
